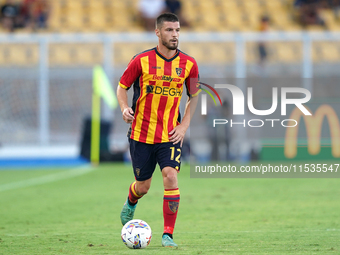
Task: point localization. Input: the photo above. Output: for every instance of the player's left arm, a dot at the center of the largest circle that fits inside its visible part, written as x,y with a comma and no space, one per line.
178,133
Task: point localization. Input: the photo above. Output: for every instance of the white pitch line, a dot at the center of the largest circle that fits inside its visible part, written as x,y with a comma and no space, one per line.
47,178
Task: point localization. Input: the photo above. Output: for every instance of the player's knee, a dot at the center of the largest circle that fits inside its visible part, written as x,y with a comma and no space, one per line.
171,178
143,189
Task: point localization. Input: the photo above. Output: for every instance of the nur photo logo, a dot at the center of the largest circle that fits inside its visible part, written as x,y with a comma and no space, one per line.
238,105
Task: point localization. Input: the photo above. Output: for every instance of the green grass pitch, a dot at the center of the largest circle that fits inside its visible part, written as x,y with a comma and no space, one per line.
48,211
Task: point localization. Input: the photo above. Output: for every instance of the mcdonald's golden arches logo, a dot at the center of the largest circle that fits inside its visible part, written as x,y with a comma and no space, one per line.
313,128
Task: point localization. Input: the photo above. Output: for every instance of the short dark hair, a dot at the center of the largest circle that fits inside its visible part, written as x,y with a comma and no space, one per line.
170,17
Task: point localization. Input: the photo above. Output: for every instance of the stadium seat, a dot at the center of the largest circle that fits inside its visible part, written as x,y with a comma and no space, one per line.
123,53
287,52
235,20
196,50
252,19
76,54
329,52
250,5
60,54
75,21
97,21
221,53
18,54
89,54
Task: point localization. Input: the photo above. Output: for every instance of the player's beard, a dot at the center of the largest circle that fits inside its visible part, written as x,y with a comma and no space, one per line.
170,45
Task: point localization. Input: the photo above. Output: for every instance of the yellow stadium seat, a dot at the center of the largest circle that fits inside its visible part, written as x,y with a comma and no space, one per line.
123,53
75,21
315,28
61,54
291,27
96,5
54,20
253,19
190,14
188,5
196,50
235,21
280,18
286,53
140,47
206,4
89,54
74,5
76,54
18,54
211,21
229,4
272,4
97,21
251,5
220,53
329,52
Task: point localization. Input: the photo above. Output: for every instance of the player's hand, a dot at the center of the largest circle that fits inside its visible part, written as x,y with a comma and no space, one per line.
128,115
177,134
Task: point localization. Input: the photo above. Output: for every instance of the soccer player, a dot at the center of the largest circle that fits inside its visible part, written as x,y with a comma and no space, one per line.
159,76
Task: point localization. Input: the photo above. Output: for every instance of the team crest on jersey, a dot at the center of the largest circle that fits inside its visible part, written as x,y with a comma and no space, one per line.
178,71
173,206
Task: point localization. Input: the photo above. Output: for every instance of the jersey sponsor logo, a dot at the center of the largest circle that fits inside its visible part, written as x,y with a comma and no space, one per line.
165,91
165,78
178,71
173,206
156,67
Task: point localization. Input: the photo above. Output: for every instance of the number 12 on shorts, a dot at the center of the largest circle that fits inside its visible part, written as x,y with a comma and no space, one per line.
173,154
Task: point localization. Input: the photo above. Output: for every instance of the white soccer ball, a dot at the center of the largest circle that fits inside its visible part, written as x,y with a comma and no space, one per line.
136,234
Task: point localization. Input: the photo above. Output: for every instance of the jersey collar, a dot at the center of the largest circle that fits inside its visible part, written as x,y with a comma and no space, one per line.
165,58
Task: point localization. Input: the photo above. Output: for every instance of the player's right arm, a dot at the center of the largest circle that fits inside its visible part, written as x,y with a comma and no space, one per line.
127,112
131,73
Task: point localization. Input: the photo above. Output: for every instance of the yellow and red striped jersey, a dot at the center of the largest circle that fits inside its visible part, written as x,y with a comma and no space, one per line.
158,86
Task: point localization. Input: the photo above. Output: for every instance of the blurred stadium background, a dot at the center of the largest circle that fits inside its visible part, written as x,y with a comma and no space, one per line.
47,56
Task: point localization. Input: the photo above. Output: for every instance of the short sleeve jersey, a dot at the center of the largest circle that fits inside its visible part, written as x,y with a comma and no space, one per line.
158,84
